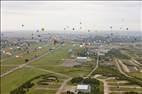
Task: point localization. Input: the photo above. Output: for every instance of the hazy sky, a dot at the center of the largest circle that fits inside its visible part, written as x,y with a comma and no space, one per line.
55,15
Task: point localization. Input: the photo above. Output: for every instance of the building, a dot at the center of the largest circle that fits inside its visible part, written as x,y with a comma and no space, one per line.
84,88
81,59
102,51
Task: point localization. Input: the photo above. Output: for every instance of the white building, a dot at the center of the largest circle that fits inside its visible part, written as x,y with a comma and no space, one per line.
39,47
84,88
81,59
8,53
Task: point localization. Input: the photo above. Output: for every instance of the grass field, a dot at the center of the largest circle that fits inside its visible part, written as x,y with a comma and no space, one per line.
136,74
12,62
16,78
50,62
54,62
51,88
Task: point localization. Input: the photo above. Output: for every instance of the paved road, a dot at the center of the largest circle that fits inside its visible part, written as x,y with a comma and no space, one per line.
136,62
122,92
132,58
106,87
63,85
110,86
125,68
97,64
22,65
121,71
119,68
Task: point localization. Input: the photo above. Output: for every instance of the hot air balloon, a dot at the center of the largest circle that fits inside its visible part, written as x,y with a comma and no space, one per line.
37,30
22,25
42,29
88,30
110,27
73,28
64,28
39,36
55,41
126,28
40,40
80,22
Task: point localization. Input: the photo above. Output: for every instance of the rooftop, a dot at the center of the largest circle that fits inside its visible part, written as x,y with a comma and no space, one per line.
85,87
81,57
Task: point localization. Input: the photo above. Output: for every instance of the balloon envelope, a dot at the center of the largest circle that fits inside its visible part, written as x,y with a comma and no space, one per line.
22,25
42,29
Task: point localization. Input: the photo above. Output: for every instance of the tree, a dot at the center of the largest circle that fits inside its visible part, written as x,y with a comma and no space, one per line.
77,80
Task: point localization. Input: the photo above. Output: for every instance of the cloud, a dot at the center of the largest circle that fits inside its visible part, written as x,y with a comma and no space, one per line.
57,14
